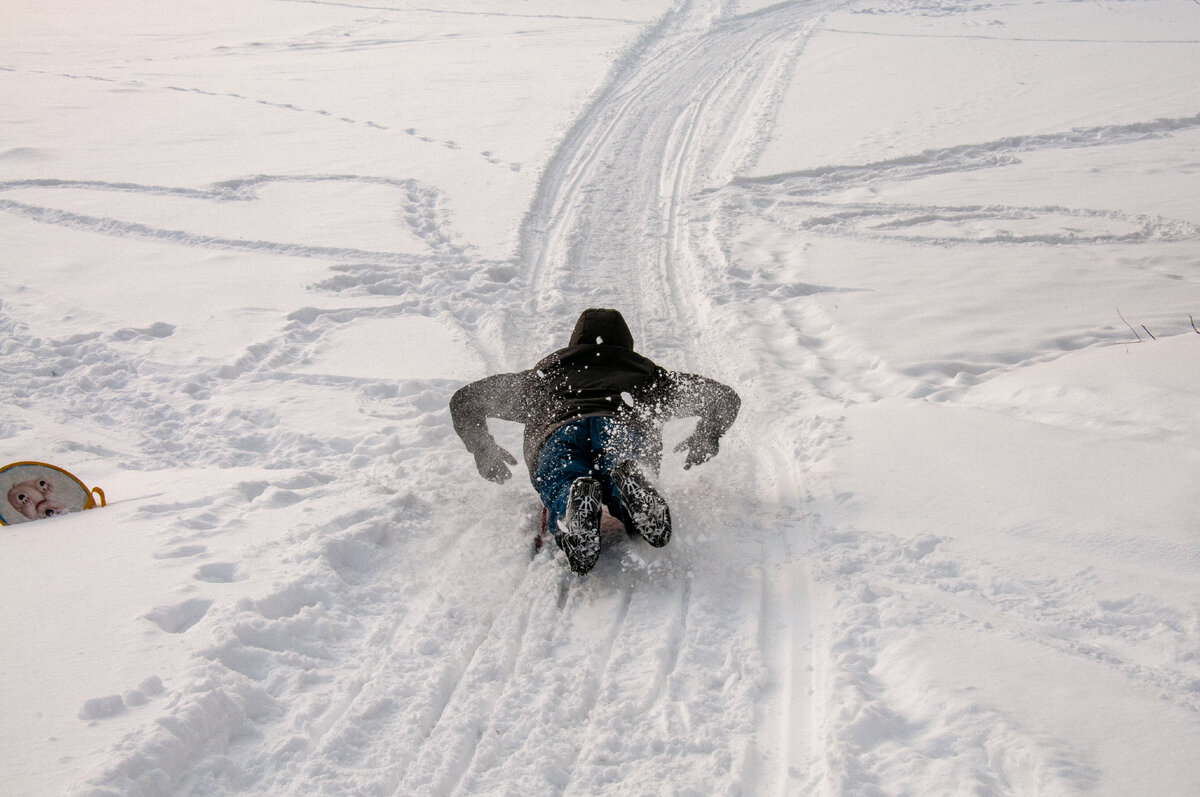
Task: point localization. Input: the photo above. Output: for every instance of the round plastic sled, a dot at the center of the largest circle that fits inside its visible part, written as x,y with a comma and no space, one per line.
35,490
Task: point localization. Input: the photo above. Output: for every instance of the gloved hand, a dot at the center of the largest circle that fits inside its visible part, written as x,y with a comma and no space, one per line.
491,459
700,447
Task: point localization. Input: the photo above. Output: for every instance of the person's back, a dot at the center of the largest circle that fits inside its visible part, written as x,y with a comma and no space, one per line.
593,415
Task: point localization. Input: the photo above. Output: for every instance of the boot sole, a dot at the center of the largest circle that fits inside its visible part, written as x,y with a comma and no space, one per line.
647,509
580,535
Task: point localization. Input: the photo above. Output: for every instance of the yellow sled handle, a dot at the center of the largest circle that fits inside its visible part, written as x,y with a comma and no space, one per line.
95,493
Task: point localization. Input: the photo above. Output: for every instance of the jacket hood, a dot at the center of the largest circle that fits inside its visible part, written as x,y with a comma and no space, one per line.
601,326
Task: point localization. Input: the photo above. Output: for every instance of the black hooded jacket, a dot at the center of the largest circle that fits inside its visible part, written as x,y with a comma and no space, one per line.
598,373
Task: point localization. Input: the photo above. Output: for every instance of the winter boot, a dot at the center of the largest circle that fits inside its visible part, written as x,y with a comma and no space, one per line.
579,529
646,509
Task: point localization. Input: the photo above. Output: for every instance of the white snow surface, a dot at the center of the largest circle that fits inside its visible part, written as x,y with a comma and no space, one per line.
946,251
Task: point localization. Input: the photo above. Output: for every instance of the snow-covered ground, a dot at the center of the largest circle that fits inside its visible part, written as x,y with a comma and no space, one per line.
952,546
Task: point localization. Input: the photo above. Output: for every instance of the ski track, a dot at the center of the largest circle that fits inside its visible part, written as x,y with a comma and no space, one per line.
382,667
811,202
488,156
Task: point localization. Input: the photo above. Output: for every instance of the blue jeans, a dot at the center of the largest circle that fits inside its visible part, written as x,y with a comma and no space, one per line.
590,446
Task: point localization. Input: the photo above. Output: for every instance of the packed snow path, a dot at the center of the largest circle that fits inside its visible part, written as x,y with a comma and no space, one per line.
947,547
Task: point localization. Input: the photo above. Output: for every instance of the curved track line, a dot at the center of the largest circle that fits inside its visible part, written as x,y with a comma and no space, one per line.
612,222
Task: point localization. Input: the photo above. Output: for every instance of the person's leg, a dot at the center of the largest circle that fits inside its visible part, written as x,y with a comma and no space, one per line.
625,463
565,478
564,457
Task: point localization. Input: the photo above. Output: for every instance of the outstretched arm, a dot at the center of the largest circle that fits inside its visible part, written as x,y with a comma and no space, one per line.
717,406
500,396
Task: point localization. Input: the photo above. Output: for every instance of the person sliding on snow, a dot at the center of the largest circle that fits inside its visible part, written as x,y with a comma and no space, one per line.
593,415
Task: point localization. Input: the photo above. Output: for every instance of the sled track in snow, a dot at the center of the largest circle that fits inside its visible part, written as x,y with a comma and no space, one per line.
681,113
613,221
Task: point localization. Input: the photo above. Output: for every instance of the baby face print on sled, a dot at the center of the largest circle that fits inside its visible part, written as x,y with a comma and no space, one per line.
35,490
